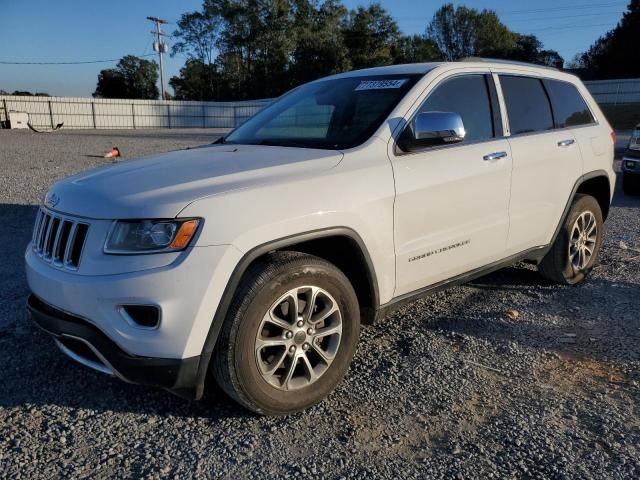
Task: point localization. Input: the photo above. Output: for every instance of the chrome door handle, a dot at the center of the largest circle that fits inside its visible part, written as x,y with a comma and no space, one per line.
495,156
566,143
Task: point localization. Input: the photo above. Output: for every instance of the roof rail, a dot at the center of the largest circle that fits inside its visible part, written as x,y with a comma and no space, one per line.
506,62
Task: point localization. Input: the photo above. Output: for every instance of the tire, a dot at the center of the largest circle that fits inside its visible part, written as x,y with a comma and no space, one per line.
254,373
631,184
558,265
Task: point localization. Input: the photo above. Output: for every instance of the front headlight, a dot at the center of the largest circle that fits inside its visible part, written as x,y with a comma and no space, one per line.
634,141
150,236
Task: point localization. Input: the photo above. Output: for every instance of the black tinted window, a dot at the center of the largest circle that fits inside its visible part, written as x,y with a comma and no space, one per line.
527,104
569,108
467,96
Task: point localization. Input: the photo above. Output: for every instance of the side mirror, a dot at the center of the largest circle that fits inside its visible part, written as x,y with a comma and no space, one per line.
446,127
433,128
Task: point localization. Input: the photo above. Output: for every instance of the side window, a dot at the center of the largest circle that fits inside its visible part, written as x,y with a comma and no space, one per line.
467,96
527,104
569,108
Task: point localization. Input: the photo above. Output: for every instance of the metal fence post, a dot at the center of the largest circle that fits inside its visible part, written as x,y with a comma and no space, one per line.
93,114
169,115
50,114
235,116
133,115
6,111
204,118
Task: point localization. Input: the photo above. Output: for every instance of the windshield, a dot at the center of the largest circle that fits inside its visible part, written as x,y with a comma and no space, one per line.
331,114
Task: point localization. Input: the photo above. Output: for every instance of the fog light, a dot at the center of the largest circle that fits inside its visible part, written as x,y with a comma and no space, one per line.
629,164
145,316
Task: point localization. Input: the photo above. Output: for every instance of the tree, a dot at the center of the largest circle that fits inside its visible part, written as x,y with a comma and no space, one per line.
371,35
528,48
197,81
198,34
416,48
616,54
244,49
133,77
465,32
320,49
453,31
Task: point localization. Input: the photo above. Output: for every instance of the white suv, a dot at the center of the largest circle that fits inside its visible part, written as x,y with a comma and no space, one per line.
255,260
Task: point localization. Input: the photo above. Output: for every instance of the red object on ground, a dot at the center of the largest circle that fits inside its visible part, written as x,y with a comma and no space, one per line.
114,152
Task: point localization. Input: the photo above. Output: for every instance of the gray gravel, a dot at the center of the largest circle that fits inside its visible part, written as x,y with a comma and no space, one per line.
448,387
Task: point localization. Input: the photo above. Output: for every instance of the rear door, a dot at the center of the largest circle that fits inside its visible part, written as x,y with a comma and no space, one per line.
451,208
546,162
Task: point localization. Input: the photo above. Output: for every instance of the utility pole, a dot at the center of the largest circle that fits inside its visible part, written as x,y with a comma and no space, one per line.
160,47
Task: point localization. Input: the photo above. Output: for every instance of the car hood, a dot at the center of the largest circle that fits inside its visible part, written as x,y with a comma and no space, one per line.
160,186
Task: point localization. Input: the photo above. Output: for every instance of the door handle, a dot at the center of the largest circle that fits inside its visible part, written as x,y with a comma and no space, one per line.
566,143
494,156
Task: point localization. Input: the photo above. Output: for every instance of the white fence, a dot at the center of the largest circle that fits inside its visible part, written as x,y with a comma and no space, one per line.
614,92
47,112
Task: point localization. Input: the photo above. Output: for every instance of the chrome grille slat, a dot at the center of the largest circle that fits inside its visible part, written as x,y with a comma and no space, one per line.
41,231
36,227
46,228
70,242
54,226
55,239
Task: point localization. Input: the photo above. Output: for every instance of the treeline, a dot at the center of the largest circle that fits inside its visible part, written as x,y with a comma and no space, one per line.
615,54
247,49
24,93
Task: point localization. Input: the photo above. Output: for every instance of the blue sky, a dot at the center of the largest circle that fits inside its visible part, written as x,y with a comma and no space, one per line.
79,30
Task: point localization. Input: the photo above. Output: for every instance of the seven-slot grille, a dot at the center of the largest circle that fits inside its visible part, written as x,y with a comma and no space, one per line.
59,239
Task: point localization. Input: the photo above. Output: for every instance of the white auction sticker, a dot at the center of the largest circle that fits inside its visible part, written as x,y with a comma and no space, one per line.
380,84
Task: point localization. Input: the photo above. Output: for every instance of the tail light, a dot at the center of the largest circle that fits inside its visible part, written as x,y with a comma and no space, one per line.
614,137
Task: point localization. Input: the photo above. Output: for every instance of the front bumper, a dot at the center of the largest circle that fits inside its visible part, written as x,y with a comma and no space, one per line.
186,292
86,344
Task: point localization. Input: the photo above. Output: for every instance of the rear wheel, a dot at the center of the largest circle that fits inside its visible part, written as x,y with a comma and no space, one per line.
575,250
631,184
290,334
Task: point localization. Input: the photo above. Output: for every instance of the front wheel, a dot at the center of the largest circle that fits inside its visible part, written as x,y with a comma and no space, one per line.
290,334
575,250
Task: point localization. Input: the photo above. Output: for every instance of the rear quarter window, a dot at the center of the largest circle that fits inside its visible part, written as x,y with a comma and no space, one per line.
569,108
527,103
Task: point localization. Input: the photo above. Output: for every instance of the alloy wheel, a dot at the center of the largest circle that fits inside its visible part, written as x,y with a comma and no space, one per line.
298,338
583,240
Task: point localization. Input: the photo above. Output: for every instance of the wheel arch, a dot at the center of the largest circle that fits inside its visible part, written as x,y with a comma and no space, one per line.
338,245
598,187
596,184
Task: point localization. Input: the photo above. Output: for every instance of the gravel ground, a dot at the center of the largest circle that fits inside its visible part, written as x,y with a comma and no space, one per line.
448,387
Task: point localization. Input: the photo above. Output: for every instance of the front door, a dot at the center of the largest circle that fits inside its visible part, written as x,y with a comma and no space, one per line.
451,213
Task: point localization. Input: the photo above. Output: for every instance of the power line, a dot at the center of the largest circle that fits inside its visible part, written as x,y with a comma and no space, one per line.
590,7
565,7
572,27
3,62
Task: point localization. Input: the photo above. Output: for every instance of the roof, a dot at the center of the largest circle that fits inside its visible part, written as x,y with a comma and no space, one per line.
424,68
406,69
